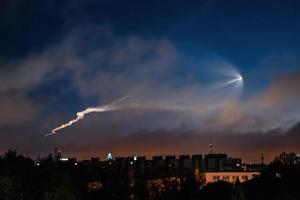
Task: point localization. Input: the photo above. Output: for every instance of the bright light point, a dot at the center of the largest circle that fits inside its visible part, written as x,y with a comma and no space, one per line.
109,156
240,78
235,81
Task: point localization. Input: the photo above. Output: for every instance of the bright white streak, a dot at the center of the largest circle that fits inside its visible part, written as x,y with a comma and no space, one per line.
239,78
81,114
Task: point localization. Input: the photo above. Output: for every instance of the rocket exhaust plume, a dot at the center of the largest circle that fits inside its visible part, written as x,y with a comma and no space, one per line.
235,79
238,78
81,114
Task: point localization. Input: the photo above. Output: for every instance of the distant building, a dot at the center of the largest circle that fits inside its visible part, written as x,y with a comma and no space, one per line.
220,162
140,163
157,161
214,162
232,164
57,155
207,168
197,161
185,162
72,160
231,177
252,167
170,161
95,159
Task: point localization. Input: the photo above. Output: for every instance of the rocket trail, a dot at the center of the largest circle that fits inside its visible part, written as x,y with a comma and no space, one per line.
81,114
236,79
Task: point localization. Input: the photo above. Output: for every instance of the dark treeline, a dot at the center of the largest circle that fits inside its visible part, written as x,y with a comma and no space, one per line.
22,179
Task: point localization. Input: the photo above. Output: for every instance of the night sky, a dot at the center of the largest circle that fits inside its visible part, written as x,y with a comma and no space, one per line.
174,61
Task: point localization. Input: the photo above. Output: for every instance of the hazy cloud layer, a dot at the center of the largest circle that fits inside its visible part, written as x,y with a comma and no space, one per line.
173,108
179,141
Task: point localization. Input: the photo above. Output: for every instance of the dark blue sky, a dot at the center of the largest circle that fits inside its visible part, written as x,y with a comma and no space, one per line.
59,57
239,30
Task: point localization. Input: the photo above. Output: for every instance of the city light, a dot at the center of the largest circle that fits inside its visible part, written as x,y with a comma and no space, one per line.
109,156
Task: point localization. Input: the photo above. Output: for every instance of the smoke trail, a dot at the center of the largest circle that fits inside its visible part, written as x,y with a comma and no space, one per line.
236,79
81,114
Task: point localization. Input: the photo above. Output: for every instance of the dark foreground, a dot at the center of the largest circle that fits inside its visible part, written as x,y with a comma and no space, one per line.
22,179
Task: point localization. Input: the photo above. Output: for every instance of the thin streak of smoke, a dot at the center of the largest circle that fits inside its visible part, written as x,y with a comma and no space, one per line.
232,81
237,79
81,114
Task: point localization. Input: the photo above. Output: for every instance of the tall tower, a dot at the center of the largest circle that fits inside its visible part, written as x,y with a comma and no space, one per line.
262,158
211,145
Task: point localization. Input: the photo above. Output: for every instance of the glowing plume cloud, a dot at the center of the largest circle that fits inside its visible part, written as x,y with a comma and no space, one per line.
81,114
235,80
238,78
